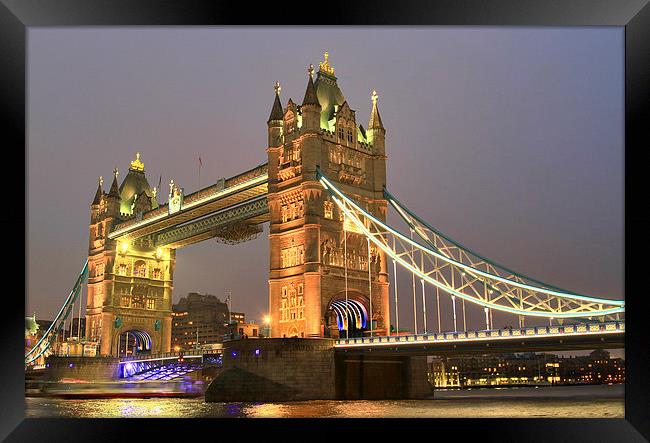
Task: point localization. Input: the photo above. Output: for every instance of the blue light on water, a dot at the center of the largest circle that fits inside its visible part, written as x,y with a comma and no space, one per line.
257,352
70,365
234,354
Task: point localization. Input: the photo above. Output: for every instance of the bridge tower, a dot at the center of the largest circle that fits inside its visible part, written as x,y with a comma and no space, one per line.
308,242
129,283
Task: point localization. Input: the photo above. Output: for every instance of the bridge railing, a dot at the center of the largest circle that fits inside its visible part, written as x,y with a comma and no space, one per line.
576,329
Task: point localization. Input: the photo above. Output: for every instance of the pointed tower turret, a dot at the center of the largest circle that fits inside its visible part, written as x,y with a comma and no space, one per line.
99,193
95,210
113,196
310,109
275,121
376,132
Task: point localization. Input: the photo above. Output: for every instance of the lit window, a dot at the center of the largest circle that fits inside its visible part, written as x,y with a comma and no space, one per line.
328,208
140,269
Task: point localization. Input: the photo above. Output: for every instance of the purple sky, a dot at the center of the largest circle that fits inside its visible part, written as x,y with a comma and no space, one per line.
509,140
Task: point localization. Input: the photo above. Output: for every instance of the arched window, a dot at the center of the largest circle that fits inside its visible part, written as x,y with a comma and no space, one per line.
140,269
123,269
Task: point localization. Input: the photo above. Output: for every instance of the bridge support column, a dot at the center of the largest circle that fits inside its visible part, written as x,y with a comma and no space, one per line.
275,369
369,377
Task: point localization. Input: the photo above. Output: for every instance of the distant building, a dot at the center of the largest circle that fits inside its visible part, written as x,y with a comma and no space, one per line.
239,317
31,332
198,313
525,369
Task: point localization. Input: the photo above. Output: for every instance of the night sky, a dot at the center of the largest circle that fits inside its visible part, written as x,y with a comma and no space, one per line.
509,140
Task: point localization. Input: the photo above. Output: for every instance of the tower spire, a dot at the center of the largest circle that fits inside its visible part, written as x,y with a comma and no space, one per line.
375,119
115,188
276,110
310,92
100,191
137,165
324,66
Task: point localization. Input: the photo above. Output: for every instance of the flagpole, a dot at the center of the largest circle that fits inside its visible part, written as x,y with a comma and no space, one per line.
200,164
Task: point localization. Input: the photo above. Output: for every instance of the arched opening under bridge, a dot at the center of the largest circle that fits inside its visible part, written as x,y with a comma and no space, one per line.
134,341
346,319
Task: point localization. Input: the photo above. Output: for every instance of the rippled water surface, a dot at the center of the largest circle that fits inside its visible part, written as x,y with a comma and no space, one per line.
563,401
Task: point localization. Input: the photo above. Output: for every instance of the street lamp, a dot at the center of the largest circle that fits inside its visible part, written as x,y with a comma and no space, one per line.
267,322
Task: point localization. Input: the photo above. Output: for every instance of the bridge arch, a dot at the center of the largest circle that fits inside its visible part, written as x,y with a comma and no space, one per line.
351,324
133,341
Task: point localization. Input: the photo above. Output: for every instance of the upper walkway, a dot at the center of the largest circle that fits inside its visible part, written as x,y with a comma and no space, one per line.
238,198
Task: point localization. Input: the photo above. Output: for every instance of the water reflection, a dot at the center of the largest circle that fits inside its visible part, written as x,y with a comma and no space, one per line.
580,401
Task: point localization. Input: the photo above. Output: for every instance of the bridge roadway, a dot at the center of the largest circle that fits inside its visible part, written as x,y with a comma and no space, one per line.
531,339
610,335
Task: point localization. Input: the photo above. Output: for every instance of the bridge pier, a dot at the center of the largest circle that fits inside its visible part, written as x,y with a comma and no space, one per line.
294,369
368,377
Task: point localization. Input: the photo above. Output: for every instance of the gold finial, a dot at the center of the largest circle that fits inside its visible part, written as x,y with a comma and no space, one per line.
137,165
101,181
311,70
171,186
115,172
325,65
374,97
277,87
154,191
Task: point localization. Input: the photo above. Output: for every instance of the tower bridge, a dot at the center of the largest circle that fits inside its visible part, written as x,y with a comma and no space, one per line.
333,261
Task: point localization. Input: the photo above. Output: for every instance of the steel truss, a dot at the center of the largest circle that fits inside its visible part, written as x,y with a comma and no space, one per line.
462,273
43,345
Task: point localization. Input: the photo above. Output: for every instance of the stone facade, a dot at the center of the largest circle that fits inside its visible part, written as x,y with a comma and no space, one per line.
129,284
308,244
275,370
81,368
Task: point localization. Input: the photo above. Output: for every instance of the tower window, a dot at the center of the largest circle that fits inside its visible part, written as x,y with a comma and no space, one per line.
328,208
140,269
123,269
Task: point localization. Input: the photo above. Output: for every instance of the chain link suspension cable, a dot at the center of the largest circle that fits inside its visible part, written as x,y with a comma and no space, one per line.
369,286
453,298
491,322
464,320
438,298
453,301
424,302
415,314
345,266
63,339
395,278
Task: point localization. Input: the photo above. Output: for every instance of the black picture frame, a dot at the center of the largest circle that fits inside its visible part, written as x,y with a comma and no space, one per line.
16,16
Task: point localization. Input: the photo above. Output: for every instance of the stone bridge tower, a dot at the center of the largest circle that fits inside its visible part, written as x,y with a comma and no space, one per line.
308,242
129,283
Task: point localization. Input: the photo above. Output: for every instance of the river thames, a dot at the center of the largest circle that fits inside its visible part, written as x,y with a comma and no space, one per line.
602,401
